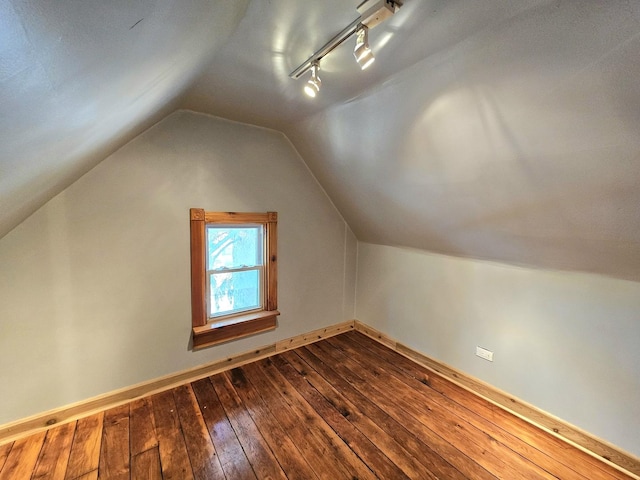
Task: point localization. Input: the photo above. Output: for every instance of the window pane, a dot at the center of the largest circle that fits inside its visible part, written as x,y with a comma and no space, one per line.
232,292
234,247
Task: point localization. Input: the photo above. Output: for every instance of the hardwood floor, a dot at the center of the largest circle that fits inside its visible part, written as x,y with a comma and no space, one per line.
344,407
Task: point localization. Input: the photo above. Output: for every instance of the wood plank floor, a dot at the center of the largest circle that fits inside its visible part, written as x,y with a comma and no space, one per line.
344,407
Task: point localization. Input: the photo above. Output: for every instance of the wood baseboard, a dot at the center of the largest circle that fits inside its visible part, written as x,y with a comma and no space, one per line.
43,421
571,434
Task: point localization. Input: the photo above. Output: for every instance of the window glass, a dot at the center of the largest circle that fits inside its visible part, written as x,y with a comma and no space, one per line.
234,292
234,268
233,247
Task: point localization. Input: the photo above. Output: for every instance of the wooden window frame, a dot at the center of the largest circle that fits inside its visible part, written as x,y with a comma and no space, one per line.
205,331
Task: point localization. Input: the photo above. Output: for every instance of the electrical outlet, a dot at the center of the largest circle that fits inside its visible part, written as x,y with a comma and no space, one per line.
484,353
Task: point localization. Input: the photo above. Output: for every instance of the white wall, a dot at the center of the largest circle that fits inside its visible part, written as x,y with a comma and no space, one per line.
95,286
567,343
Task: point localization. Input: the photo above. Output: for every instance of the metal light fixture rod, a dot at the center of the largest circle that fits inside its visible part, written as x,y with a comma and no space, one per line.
336,41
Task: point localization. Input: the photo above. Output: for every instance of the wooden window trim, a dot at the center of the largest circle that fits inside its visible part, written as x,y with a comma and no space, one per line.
206,332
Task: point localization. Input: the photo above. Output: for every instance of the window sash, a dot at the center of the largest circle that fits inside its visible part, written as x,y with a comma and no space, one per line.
226,313
259,236
260,240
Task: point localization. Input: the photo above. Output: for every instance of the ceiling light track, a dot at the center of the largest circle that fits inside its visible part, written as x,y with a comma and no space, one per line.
372,13
328,47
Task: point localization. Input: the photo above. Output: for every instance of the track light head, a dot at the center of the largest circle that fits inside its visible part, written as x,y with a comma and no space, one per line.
362,52
313,85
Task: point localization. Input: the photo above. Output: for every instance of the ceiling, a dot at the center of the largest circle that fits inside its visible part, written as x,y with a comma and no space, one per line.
501,130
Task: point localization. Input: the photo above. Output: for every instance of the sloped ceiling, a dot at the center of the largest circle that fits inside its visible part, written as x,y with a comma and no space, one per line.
80,78
498,130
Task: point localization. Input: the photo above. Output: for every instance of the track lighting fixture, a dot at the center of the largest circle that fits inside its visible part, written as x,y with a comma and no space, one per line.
372,13
313,85
362,52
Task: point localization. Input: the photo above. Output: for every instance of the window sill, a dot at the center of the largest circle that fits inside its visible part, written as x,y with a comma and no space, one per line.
233,328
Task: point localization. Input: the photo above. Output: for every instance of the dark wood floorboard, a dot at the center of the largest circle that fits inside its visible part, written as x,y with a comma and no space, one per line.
342,408
54,456
85,449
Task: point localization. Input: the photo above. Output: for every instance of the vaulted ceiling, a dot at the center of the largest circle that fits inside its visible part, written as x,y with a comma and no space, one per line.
502,130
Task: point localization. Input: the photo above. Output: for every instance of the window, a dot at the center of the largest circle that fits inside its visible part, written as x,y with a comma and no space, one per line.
233,275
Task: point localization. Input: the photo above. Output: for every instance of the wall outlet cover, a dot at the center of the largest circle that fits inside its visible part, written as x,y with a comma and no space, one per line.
484,353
